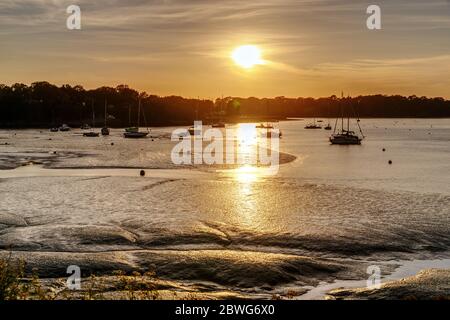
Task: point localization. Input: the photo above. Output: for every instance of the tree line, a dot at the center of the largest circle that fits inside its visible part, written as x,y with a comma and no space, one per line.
42,104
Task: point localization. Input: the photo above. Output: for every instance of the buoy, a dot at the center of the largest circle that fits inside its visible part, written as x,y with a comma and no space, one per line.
384,150
390,161
142,173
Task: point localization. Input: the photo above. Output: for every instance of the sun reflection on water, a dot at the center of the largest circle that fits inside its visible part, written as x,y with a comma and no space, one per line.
247,141
246,211
246,174
247,134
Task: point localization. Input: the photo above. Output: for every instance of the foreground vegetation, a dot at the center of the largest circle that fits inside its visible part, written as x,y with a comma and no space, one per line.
15,284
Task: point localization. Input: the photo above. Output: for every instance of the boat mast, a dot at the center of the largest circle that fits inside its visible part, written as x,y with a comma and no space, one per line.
357,116
139,112
328,113
348,121
196,108
129,115
342,112
93,114
337,118
106,103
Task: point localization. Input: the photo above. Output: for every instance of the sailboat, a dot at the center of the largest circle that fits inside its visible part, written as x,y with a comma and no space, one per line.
64,128
344,136
328,127
313,125
53,128
264,126
135,133
130,129
92,134
217,114
193,131
105,129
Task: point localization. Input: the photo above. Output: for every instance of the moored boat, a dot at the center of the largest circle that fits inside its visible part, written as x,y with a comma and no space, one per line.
313,125
193,131
133,132
105,129
132,129
264,126
91,134
64,128
344,136
218,125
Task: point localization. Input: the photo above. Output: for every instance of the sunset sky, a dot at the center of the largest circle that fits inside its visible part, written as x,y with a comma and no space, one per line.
184,47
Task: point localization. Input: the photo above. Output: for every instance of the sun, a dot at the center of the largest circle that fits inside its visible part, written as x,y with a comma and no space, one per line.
247,56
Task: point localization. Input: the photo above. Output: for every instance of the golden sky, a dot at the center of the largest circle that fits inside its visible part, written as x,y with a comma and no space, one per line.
184,47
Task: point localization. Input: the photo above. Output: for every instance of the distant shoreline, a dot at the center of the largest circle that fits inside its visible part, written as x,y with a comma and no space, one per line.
206,122
45,105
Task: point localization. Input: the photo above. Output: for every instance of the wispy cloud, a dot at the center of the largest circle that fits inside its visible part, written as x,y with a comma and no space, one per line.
188,42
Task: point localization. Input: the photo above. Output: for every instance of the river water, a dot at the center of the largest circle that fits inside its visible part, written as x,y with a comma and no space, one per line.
328,213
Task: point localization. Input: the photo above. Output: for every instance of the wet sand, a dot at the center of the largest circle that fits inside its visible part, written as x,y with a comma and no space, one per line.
430,284
216,232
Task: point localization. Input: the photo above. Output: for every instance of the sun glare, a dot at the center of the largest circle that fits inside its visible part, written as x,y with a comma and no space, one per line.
247,56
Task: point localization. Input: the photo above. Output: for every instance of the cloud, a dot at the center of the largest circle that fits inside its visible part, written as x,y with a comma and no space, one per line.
172,39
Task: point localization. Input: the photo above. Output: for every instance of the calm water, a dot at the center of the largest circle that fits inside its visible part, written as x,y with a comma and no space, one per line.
419,149
325,216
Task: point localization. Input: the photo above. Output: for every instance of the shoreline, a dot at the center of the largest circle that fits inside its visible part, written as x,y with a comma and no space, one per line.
405,269
208,122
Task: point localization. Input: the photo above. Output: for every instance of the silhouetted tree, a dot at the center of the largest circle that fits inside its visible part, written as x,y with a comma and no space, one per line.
43,105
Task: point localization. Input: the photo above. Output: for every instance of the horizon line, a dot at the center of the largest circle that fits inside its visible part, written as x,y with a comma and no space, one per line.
226,96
